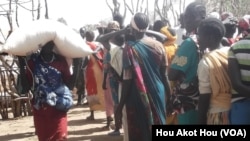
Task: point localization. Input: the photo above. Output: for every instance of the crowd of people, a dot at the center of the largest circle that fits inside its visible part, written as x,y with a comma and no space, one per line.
141,79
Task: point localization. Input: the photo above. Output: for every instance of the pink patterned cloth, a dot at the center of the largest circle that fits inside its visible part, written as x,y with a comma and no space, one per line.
109,104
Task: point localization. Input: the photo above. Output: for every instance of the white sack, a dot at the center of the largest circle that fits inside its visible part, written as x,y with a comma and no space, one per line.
70,43
28,38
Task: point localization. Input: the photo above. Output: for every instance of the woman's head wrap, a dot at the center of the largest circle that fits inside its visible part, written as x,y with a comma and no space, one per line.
244,22
140,22
214,15
113,25
225,15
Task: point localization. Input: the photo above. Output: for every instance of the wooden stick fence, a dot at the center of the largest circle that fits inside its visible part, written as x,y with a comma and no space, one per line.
11,101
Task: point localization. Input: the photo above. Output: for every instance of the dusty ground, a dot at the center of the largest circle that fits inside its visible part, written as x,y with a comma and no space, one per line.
79,129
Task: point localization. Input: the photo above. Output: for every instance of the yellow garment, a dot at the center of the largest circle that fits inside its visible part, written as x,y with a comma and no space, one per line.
172,119
219,79
170,48
170,45
218,118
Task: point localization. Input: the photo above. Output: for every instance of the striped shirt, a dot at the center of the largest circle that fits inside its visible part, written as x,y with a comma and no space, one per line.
241,52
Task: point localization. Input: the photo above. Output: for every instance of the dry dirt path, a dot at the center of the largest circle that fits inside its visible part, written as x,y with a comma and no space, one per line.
79,129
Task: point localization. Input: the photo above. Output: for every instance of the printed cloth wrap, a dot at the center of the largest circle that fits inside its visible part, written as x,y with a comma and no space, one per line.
49,87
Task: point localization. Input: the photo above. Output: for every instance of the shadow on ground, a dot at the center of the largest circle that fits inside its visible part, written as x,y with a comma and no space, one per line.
16,136
80,122
96,138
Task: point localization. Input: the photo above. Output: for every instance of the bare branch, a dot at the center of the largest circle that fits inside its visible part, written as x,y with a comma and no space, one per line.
2,35
184,5
38,9
46,10
157,9
221,6
173,12
17,13
132,5
10,18
23,2
32,11
141,5
24,7
14,3
125,10
127,6
137,5
164,10
3,8
116,7
111,9
154,10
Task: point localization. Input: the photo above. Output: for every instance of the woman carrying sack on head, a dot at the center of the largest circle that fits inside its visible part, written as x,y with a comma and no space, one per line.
48,76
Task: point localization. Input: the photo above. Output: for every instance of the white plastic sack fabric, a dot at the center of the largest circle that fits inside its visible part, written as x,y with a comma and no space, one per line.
70,44
29,38
116,58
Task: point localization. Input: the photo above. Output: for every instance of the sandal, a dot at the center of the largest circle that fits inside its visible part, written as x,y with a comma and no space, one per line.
105,128
110,118
114,133
90,118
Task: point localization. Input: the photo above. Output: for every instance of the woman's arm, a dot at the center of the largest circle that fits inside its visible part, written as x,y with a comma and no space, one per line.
164,76
106,37
205,91
175,74
235,77
203,106
104,80
25,80
159,36
97,58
